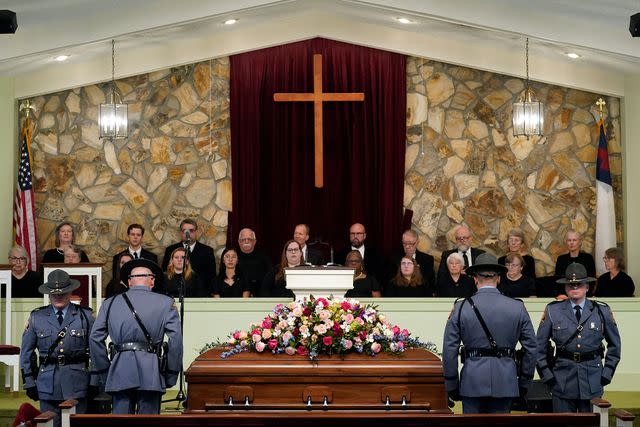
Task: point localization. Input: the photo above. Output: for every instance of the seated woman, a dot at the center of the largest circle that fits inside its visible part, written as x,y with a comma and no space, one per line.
179,271
117,284
454,283
364,286
513,283
408,281
515,243
229,283
24,282
573,240
65,237
615,282
274,283
73,255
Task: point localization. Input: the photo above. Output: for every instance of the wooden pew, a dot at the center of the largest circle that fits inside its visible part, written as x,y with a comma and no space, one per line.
353,418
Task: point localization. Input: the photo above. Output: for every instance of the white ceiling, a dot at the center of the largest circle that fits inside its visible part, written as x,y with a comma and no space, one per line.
487,34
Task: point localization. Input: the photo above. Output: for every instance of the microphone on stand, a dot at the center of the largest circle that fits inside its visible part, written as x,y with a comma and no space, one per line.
187,235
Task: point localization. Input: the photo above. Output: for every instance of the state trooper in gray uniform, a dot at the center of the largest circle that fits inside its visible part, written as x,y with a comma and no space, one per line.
577,373
135,376
60,334
489,379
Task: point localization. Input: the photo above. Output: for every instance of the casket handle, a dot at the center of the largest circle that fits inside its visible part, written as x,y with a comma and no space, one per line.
238,393
395,394
317,394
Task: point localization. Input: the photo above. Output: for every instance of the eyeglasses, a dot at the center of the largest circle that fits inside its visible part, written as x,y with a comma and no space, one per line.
18,258
293,250
247,239
513,264
463,238
409,243
142,275
357,233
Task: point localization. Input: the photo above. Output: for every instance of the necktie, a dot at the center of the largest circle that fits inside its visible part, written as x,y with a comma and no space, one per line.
578,315
466,260
60,317
135,255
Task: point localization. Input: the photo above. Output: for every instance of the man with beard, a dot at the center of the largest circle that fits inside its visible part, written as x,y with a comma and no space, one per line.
463,247
373,260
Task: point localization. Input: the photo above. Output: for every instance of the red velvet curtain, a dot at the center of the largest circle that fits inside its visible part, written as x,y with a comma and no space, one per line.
272,144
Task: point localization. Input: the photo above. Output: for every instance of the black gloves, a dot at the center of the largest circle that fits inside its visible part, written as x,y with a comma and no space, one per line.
32,393
454,395
523,392
604,381
92,392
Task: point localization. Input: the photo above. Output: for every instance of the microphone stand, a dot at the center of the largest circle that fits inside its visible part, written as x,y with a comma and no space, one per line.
181,397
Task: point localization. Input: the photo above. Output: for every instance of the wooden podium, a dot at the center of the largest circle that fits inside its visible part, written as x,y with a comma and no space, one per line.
319,281
264,381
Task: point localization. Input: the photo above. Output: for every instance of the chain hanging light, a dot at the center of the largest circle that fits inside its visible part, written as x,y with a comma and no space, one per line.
113,116
528,112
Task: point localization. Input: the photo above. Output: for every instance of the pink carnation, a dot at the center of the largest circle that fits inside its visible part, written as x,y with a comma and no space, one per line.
273,343
345,305
260,346
323,302
327,341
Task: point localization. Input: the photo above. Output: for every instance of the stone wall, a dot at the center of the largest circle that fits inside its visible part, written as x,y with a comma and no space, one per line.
462,163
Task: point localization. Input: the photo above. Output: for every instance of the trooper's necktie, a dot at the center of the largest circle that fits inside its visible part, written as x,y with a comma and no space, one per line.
578,315
60,317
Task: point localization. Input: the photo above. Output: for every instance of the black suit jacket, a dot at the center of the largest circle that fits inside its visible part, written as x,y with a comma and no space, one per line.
443,260
374,263
202,261
145,254
425,261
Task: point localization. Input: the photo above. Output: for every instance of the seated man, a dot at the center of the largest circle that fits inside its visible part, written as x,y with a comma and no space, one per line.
201,256
301,235
464,239
253,263
374,263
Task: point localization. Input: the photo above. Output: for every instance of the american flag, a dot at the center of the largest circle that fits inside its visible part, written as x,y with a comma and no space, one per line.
24,214
605,210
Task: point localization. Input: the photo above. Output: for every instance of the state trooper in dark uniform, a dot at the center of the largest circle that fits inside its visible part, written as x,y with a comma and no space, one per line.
489,380
133,377
578,373
60,334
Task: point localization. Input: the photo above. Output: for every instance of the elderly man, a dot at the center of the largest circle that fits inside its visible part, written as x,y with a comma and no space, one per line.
374,263
410,241
254,263
464,239
60,333
140,369
201,256
577,326
573,240
489,325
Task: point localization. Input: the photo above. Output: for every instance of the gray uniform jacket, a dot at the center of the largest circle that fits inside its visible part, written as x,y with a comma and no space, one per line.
136,369
57,381
508,321
578,380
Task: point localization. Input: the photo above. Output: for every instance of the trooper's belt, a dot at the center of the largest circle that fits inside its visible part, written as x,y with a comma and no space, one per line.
489,352
579,356
63,359
136,346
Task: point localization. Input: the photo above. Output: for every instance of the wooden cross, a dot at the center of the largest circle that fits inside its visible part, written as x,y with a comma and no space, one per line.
318,97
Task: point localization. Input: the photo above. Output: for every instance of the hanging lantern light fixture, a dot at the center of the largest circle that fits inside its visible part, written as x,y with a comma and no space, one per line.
113,119
528,112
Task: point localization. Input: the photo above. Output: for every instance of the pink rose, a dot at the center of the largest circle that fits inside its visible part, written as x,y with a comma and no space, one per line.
359,321
243,335
302,351
236,335
266,323
376,347
405,332
348,344
396,330
266,334
323,302
273,343
324,314
256,337
260,346
348,318
327,341
400,345
290,350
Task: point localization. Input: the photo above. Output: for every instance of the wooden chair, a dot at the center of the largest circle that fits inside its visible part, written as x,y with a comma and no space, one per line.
9,354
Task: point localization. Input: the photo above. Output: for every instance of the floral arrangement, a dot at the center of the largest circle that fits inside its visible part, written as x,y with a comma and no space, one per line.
316,326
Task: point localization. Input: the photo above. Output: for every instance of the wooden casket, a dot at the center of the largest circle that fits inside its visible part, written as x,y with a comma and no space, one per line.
412,380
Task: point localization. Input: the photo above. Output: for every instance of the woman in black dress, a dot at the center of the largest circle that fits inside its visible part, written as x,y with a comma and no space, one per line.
408,281
24,282
118,285
364,286
229,283
179,270
514,283
454,283
65,237
274,283
615,282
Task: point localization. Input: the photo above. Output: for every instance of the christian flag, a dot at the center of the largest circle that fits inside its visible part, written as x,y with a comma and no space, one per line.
605,213
24,218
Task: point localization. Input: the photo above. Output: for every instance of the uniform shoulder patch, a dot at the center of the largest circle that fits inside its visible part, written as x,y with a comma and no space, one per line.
39,308
604,304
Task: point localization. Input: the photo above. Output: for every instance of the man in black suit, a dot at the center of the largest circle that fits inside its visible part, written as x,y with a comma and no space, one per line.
253,263
201,256
301,235
135,233
374,263
425,261
463,247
